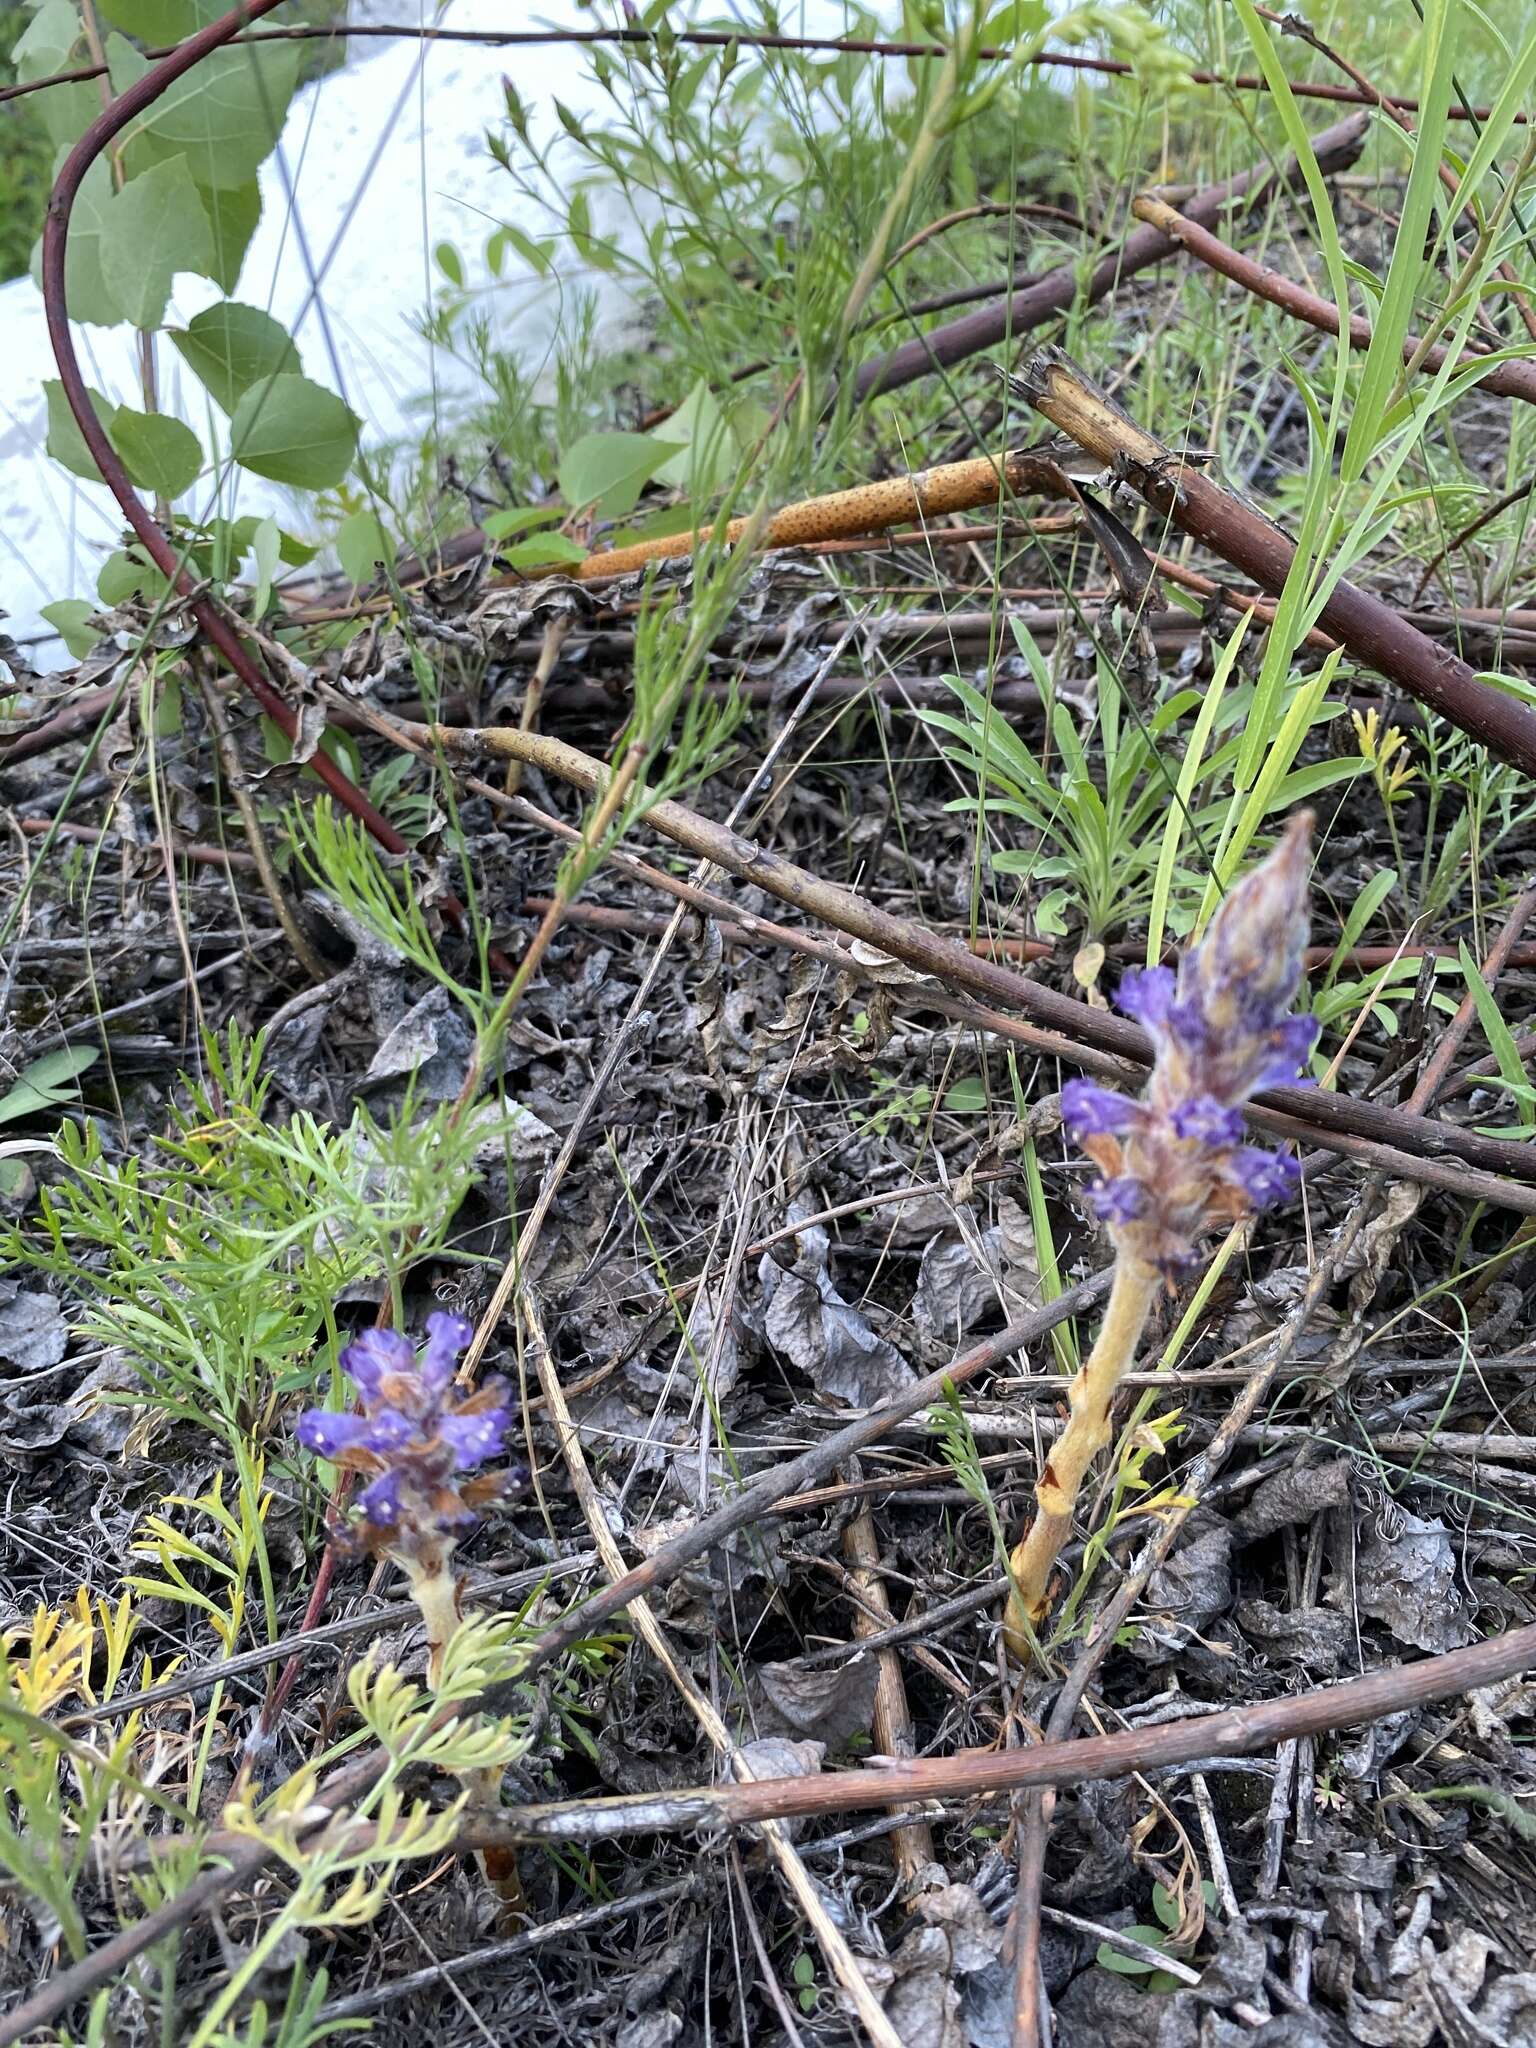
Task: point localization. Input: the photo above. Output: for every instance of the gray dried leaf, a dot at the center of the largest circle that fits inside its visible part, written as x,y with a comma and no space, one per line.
1505,2019
1102,2010
1424,1983
33,1332
1366,1754
509,612
655,2029
712,1339
957,1284
292,1056
1314,1636
1406,1578
1290,1497
922,2001
808,1322
829,1703
975,1938
433,1042
776,1756
1195,1585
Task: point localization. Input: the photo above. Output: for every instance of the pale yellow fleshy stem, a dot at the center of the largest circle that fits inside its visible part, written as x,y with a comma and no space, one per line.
435,1589
1090,1399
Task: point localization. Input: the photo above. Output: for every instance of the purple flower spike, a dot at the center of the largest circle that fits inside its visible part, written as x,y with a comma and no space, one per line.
1174,1165
474,1438
327,1434
447,1336
1146,993
413,1441
371,1357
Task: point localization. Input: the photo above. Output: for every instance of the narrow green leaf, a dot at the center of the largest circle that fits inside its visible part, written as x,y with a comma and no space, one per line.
295,432
542,551
266,548
1130,1966
233,347
362,543
1495,1030
48,1082
162,455
539,256
450,263
518,518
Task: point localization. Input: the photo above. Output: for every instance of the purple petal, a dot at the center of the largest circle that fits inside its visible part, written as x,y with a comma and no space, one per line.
446,1338
1264,1177
1120,1200
1146,993
389,1429
326,1432
474,1438
380,1502
1207,1122
1088,1110
369,1357
1290,1042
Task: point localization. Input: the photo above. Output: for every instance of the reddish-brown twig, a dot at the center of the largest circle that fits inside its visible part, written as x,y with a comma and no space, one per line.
1031,305
1065,60
1504,380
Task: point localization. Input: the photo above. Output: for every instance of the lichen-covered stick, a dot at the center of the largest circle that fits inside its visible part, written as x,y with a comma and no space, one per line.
1174,1164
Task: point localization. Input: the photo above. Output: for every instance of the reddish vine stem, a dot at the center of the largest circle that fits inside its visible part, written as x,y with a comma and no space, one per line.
109,124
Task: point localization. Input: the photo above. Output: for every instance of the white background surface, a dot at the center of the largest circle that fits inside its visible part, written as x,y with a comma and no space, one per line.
384,159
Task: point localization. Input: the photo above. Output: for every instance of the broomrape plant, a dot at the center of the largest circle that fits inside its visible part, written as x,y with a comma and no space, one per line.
1174,1164
414,1442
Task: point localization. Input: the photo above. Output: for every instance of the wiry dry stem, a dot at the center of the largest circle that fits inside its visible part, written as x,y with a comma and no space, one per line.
1091,1398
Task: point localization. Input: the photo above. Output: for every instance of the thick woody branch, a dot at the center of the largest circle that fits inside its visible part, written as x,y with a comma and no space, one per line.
1238,1732
1032,302
866,508
1373,632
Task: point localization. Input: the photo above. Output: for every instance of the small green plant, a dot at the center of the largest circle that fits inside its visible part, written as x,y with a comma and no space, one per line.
958,1448
215,1265
897,1105
803,1976
1159,1936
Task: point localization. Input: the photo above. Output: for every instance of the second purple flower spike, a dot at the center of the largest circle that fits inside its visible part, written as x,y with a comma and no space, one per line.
1174,1164
414,1442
